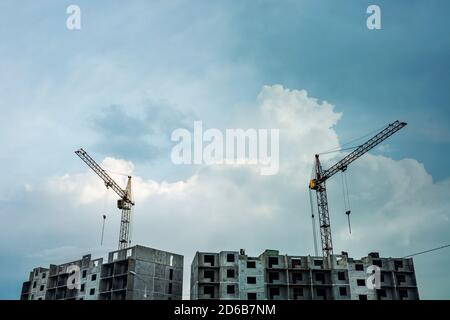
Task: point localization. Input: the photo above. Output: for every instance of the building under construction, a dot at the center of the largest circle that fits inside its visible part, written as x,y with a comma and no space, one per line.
272,276
134,273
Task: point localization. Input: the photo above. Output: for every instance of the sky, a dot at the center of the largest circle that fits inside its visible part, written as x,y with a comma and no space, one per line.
135,72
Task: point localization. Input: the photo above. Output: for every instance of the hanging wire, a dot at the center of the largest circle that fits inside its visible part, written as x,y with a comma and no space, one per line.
338,150
343,146
115,172
343,191
426,251
313,221
348,209
363,137
104,202
346,190
103,229
131,226
346,198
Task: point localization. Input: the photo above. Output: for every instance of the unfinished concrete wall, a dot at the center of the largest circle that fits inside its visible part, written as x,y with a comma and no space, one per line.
194,277
251,278
275,276
228,275
133,273
36,286
208,270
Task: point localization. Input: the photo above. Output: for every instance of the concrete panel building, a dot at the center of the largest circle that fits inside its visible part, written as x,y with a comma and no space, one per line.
135,273
272,276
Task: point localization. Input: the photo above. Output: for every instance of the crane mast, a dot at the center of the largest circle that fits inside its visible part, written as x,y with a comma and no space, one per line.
125,203
318,182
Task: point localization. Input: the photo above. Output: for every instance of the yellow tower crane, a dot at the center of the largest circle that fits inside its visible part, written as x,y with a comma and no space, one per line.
125,203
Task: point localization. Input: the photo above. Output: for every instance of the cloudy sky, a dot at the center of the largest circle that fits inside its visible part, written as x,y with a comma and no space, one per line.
137,71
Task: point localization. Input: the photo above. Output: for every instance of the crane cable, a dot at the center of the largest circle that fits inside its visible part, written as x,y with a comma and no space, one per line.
426,251
344,146
104,210
105,198
115,172
346,197
313,221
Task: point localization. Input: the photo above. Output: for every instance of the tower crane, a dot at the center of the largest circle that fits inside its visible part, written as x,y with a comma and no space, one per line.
320,176
125,203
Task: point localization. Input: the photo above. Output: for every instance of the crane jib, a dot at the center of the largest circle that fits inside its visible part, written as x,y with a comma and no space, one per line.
362,149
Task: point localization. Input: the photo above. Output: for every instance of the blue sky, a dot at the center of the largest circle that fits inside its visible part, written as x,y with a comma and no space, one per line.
137,71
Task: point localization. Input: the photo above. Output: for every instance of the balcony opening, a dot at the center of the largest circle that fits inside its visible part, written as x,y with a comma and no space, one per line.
401,278
230,289
273,261
322,293
209,291
403,293
318,263
298,292
320,277
274,276
251,280
251,296
381,293
208,259
398,264
297,277
209,275
296,263
377,263
274,292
